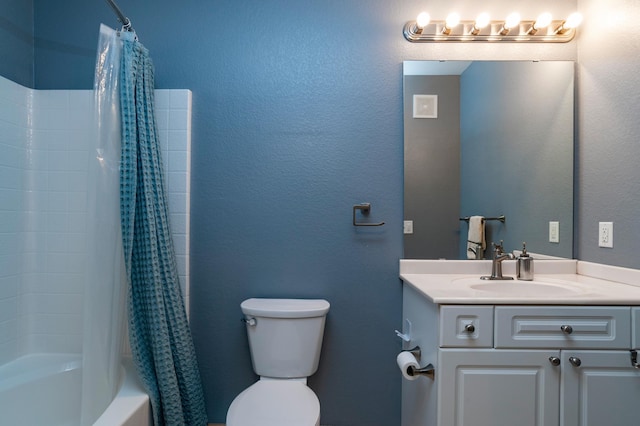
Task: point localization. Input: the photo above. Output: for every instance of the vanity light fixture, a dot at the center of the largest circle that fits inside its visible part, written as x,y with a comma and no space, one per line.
544,29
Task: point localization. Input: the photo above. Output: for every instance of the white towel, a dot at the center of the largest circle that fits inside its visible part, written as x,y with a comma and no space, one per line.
475,240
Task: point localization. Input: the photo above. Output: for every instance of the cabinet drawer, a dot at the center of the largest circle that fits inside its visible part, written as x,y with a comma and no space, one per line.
466,326
563,327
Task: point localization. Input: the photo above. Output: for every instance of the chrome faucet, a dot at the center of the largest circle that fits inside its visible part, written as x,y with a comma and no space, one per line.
496,263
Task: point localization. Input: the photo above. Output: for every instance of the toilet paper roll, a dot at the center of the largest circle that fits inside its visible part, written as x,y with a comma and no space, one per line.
407,362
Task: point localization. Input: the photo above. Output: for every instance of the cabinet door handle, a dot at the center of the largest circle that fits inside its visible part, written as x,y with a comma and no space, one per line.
567,329
469,328
575,361
554,360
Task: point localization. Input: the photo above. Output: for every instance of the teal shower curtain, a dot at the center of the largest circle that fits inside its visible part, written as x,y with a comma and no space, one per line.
158,329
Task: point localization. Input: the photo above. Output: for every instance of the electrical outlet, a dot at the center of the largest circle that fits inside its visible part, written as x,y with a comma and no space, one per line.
408,227
554,232
605,234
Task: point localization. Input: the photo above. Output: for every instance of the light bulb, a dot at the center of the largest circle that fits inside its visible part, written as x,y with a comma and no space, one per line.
542,21
573,20
512,20
481,21
452,20
423,20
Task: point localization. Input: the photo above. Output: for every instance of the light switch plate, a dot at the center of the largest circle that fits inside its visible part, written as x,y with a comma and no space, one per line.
554,232
408,227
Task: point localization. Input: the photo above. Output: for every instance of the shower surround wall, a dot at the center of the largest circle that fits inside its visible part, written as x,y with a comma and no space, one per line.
44,157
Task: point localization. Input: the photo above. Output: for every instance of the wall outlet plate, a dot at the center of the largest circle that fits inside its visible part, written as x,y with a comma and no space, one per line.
605,234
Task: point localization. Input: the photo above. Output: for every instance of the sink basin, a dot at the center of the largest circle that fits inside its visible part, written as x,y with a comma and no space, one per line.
523,288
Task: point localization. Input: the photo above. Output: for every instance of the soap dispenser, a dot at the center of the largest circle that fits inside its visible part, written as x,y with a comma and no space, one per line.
524,265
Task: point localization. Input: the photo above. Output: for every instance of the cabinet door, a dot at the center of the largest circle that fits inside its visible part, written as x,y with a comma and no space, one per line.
489,387
603,390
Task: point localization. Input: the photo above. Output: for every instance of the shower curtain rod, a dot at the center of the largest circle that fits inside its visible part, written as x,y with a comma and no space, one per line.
125,21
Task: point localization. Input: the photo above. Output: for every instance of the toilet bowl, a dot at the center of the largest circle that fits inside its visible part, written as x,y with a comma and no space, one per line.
275,403
285,337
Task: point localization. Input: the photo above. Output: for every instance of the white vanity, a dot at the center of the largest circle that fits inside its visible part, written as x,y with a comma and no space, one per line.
555,351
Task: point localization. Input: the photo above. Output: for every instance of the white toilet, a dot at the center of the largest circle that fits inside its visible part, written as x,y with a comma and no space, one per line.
285,337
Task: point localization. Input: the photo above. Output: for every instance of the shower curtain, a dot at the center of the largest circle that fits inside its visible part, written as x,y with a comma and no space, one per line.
105,289
159,333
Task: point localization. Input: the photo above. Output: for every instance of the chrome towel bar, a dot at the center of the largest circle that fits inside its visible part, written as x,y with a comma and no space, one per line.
500,218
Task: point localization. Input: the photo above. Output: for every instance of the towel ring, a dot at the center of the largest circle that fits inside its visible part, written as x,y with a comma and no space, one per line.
365,208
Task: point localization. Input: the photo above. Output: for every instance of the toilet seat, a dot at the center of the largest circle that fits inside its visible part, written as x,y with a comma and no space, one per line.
275,403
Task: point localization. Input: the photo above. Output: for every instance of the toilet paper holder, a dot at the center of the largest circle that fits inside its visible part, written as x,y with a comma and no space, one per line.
428,370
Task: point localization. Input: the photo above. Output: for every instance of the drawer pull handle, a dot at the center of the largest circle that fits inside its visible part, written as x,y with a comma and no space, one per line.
554,360
575,361
567,329
469,328
634,359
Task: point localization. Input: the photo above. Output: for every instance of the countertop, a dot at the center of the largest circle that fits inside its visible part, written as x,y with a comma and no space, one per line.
563,282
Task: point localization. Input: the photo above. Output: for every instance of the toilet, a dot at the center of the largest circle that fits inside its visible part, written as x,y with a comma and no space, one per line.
285,337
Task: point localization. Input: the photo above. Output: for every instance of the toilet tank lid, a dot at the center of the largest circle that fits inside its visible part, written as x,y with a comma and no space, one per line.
285,308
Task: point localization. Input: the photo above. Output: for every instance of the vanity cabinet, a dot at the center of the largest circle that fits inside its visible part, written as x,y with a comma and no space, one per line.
502,365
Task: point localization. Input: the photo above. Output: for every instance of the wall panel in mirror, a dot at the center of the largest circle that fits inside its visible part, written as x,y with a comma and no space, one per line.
502,144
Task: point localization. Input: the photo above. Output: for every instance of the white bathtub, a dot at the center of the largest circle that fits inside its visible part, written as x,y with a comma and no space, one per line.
44,389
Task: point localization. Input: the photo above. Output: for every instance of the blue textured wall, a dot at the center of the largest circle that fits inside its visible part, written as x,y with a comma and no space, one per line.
16,41
296,119
608,180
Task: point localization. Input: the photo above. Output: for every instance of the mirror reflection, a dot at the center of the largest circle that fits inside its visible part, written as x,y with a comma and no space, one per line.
490,139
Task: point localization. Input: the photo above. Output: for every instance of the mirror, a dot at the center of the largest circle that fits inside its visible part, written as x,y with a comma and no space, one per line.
494,138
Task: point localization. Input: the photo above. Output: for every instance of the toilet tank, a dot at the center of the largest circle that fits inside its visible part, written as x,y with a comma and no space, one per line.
285,335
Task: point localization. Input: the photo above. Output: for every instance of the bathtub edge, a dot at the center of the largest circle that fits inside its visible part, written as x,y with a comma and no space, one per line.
131,406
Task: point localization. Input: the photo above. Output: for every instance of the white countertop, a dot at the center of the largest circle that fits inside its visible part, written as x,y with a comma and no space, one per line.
571,283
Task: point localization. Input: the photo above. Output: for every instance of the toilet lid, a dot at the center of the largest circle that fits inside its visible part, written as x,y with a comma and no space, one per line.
275,403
